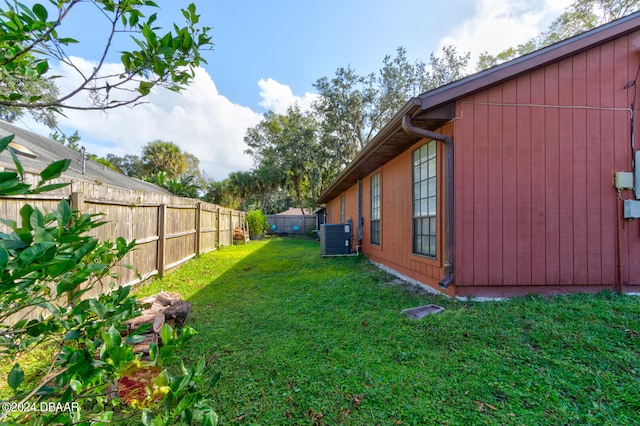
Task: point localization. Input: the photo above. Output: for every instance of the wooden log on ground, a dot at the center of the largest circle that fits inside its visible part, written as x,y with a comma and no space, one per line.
162,308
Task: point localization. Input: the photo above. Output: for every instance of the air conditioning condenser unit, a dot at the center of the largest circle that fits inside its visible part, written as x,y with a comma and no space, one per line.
335,239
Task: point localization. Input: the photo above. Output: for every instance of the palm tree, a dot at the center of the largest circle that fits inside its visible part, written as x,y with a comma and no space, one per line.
163,156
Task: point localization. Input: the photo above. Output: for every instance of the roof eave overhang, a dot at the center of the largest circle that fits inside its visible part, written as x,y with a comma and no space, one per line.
362,164
430,110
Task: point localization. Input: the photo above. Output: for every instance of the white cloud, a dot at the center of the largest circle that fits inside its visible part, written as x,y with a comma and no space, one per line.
500,24
277,97
199,120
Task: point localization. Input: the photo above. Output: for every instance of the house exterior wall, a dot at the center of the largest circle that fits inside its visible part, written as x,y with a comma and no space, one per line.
350,212
395,250
535,205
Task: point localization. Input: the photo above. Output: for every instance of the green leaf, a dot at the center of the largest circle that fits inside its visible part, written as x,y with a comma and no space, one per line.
40,11
116,339
200,366
16,376
147,417
60,266
76,385
210,419
166,334
50,187
4,259
153,351
42,67
34,252
36,219
71,335
41,235
145,88
134,338
85,249
17,163
54,170
4,142
67,40
63,213
98,308
120,354
25,215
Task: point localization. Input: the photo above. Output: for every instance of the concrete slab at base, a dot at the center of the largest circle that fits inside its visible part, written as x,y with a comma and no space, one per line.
422,311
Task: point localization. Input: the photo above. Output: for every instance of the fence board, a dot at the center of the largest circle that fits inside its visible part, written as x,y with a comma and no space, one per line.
190,226
287,223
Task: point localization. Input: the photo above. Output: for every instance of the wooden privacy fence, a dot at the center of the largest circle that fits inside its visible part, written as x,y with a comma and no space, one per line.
168,230
288,223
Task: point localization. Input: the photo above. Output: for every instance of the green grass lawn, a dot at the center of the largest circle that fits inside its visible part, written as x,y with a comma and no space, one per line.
303,340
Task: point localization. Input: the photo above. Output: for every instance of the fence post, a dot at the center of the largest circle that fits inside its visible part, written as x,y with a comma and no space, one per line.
231,227
218,228
77,201
198,228
162,229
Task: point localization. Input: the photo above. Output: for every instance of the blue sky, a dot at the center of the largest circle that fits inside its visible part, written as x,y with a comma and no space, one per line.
268,54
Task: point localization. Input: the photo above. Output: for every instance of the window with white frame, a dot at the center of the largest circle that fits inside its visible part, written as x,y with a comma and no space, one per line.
424,162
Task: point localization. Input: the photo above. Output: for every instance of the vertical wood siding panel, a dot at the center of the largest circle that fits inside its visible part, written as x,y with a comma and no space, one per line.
464,202
405,206
495,183
480,195
510,186
523,177
580,138
565,97
552,179
594,180
366,210
608,198
634,226
538,187
623,99
392,225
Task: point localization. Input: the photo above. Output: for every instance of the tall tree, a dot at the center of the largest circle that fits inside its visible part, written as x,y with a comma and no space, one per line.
446,68
216,193
239,184
68,141
32,37
266,178
193,169
580,16
163,156
290,143
129,164
29,87
352,108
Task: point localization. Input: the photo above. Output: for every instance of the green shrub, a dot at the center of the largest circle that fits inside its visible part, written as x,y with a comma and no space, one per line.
48,261
257,221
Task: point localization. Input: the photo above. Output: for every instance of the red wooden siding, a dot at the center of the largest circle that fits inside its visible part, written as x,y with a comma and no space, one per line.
535,206
396,241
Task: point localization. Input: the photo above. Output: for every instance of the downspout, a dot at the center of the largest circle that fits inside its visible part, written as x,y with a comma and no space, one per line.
410,129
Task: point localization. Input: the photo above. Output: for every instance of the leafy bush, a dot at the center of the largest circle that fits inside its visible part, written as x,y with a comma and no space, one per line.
47,261
257,221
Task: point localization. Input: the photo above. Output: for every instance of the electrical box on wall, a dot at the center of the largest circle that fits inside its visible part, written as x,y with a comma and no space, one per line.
624,180
631,209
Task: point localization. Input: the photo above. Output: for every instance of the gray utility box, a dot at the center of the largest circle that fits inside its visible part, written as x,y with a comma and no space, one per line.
631,209
335,239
